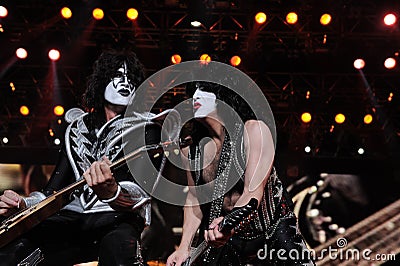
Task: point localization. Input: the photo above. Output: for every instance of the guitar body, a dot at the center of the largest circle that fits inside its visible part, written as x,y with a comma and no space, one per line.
28,218
225,255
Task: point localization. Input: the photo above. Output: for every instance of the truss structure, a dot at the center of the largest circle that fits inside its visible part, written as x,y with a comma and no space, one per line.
286,61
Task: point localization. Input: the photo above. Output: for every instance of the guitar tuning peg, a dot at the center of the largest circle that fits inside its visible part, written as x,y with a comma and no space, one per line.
176,151
166,153
156,155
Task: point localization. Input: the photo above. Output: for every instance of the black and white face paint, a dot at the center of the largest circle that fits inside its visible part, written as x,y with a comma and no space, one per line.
120,90
204,103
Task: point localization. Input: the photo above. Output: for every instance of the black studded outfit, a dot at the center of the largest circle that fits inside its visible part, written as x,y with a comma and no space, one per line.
273,226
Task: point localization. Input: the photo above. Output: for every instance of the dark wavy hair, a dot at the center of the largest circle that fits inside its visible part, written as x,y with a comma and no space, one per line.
104,70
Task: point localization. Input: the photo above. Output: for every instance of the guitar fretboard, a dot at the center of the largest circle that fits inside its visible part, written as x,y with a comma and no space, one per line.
379,232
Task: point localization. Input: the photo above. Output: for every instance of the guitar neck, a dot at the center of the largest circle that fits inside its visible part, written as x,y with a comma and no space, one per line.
24,220
199,250
80,182
379,232
71,188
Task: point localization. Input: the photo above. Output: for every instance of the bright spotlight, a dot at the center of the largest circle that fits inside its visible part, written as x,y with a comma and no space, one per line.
390,98
66,12
176,59
21,53
260,17
5,140
325,19
58,110
195,23
361,151
98,13
205,58
57,141
340,118
54,54
390,19
368,119
3,12
132,13
307,149
24,110
291,18
235,60
359,64
306,117
390,63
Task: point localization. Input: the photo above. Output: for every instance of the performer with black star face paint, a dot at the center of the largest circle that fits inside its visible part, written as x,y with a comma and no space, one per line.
104,221
230,164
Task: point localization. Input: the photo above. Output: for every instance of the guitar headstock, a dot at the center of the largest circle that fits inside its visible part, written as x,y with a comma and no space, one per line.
239,216
167,147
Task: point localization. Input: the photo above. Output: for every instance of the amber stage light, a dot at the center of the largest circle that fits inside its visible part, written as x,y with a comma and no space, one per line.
66,12
340,118
24,110
235,60
306,117
205,58
58,110
291,18
368,119
325,19
132,13
98,13
260,17
176,59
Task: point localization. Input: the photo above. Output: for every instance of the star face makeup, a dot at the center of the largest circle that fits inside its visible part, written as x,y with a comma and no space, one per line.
120,90
204,103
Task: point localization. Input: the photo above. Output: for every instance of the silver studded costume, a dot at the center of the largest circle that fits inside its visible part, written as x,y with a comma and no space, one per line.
85,145
109,141
87,226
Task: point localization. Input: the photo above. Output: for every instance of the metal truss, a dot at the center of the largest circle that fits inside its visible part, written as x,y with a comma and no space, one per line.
285,60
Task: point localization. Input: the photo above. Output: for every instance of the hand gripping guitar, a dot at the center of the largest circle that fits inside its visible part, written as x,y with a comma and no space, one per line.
231,221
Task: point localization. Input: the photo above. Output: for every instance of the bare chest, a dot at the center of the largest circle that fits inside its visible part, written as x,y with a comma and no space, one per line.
211,159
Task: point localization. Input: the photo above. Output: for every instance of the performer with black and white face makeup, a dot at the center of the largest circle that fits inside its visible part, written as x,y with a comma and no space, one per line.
104,221
120,90
233,146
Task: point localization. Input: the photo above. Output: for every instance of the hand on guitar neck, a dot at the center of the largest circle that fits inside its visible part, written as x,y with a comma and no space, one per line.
100,178
217,236
10,203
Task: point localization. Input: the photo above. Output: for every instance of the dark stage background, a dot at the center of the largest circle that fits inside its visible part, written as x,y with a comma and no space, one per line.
304,67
